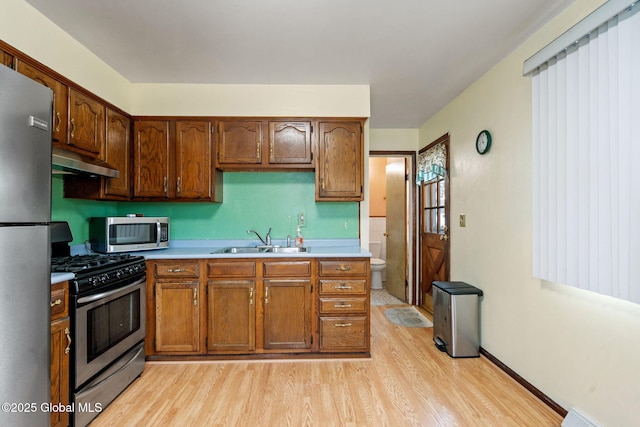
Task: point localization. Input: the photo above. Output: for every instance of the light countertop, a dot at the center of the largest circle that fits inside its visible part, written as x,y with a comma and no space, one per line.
185,249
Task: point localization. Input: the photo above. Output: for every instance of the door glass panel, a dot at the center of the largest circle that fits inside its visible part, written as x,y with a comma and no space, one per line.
441,221
441,197
434,195
434,220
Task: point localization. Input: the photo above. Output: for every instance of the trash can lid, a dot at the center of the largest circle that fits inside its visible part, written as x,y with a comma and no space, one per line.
458,288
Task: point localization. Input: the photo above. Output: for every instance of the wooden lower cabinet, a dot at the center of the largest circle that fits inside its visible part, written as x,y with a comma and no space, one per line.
254,306
177,306
60,349
343,300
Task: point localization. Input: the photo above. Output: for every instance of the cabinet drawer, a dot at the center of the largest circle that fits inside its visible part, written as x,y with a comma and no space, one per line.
343,268
343,305
231,269
358,286
186,268
287,268
59,300
344,334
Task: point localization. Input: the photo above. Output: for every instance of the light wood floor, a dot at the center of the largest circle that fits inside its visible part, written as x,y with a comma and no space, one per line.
407,382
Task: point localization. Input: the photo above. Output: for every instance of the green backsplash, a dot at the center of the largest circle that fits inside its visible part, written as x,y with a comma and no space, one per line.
252,200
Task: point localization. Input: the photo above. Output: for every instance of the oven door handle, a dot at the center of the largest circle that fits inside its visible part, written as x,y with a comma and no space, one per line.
96,297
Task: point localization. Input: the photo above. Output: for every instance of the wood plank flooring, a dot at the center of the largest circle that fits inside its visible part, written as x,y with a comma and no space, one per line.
407,382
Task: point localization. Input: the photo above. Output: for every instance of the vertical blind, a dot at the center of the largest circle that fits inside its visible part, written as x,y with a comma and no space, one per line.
586,161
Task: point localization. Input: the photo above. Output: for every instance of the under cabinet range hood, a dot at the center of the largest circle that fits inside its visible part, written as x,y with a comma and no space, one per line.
63,161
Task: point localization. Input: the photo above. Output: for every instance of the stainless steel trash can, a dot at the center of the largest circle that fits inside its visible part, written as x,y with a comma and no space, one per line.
456,317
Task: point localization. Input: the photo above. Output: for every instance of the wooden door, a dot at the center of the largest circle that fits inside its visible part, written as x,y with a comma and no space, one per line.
60,101
231,315
339,173
287,313
434,229
151,145
87,124
290,143
239,142
396,230
177,317
193,160
116,154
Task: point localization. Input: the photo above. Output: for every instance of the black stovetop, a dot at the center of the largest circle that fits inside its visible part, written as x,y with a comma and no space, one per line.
91,263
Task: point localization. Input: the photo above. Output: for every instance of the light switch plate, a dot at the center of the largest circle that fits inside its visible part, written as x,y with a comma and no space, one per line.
463,220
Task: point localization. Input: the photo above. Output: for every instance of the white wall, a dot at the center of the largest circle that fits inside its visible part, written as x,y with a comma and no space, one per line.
579,348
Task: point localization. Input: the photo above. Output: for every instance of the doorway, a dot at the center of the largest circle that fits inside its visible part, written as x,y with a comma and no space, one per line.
433,185
392,219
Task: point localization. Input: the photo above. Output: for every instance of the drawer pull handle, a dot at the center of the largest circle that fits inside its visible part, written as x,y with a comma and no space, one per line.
176,270
343,305
56,302
344,268
343,286
67,332
342,325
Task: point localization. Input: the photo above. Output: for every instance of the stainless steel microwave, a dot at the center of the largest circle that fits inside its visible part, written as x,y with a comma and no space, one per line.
128,233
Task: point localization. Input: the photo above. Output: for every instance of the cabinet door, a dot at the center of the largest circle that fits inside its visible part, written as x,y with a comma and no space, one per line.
239,142
231,315
177,317
117,154
60,348
287,314
339,173
151,158
60,94
6,59
87,125
290,143
193,160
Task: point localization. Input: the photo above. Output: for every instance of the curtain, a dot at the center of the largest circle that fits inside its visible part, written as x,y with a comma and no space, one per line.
586,162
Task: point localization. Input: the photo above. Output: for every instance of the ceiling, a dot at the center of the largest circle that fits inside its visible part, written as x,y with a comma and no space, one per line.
416,55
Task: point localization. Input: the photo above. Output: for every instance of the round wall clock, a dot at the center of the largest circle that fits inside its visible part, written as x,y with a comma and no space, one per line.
483,142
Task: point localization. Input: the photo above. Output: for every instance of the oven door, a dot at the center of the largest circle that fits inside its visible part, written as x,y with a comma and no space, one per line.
107,325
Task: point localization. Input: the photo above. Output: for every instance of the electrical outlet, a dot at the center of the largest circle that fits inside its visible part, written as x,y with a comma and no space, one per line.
463,220
301,219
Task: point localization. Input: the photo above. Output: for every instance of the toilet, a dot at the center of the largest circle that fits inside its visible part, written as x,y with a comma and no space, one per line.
377,264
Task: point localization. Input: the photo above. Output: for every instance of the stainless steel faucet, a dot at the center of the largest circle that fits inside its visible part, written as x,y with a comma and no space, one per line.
266,241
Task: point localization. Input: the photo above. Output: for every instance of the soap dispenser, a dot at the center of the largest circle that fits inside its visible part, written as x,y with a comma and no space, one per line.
299,239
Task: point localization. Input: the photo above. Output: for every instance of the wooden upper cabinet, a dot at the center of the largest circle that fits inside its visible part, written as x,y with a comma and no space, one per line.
87,125
239,142
60,100
151,146
290,142
117,154
6,59
193,160
339,168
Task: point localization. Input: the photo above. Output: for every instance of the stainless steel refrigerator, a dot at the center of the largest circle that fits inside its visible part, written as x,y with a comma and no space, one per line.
25,278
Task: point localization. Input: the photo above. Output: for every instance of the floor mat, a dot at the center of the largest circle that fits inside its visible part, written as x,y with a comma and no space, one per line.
407,316
382,297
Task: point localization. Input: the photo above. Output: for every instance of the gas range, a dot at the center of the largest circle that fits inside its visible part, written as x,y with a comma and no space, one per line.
95,272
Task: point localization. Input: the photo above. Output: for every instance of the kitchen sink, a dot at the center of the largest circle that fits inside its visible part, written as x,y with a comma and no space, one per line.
241,250
287,250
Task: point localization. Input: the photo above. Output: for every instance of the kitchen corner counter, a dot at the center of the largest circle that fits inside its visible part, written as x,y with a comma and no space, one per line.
317,248
61,277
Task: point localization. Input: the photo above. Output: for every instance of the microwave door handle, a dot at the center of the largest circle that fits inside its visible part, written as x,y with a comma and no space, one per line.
158,233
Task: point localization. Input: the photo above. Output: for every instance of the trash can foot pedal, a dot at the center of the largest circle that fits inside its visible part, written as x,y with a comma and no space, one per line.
440,344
